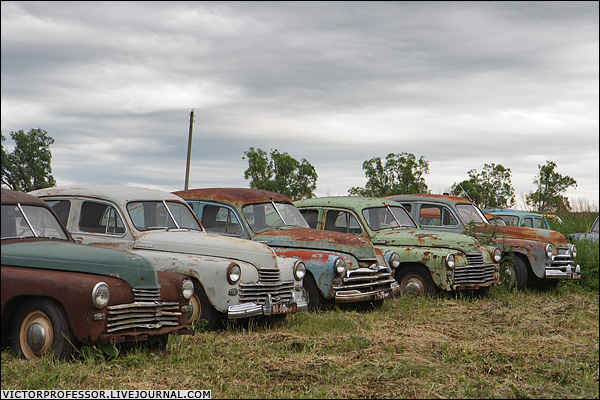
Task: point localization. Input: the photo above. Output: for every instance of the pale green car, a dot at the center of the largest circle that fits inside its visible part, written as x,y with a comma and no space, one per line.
428,262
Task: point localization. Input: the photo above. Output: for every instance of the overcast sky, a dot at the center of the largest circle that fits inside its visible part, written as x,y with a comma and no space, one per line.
336,83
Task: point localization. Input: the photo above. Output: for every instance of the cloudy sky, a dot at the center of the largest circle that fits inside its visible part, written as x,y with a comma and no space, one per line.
336,83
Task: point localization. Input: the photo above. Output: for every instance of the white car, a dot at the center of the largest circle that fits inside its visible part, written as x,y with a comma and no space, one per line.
234,279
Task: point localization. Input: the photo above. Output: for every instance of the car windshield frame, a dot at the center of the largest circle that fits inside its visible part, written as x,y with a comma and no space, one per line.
269,215
161,214
32,221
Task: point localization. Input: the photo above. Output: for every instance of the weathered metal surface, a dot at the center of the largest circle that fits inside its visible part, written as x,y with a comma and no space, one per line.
529,242
318,249
416,246
66,272
591,235
191,252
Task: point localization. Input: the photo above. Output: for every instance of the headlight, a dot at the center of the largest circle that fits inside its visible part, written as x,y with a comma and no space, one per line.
187,289
234,273
100,295
394,261
549,252
299,270
497,255
339,266
450,260
574,251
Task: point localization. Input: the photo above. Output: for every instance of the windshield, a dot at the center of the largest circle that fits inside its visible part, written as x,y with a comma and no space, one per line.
30,221
381,218
149,215
264,216
595,226
470,213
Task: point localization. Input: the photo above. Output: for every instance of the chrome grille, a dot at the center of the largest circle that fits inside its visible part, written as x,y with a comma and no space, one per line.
269,283
475,272
562,261
146,312
366,279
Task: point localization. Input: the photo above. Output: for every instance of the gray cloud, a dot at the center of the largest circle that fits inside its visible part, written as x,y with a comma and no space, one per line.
336,83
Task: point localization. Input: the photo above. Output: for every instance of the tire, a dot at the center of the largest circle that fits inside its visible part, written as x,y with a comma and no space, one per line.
204,316
415,280
514,274
45,324
312,294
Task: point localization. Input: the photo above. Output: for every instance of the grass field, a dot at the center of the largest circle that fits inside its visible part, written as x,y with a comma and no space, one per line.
526,344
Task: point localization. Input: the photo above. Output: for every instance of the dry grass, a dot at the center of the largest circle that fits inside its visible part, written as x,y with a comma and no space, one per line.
510,345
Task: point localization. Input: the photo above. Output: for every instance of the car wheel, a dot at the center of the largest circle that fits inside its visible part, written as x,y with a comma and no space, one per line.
416,281
312,294
514,274
204,316
41,327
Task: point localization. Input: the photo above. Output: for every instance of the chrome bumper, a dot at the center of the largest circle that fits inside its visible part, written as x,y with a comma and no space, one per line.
246,310
565,272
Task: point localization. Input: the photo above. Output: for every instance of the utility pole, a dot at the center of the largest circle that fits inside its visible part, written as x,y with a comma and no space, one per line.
189,152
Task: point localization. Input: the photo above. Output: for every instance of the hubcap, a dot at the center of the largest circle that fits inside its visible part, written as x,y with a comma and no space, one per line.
36,337
413,286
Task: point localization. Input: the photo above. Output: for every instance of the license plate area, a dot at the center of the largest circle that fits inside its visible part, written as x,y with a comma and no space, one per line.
382,294
284,308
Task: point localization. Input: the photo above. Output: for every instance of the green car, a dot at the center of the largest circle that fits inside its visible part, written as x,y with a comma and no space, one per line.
429,262
520,218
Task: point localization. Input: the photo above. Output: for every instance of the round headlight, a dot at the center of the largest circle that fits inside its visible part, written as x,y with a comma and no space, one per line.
497,255
187,289
100,295
450,262
299,270
574,251
234,273
339,266
549,252
394,261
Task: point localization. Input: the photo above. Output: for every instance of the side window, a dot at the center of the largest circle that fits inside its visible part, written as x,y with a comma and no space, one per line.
434,215
100,218
62,208
311,217
527,222
342,221
408,207
540,223
220,220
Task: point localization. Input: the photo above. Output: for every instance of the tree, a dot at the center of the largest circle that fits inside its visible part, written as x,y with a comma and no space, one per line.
281,174
28,166
491,188
550,184
401,174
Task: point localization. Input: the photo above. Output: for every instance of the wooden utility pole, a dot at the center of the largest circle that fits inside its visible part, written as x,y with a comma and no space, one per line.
189,152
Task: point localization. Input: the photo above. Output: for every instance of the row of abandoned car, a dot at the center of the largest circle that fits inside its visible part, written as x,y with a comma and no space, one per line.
91,265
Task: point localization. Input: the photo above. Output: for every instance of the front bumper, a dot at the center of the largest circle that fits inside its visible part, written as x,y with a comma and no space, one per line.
365,284
246,310
563,272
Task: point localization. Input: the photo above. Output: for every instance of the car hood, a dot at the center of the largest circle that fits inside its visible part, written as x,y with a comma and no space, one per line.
74,257
423,238
518,232
207,244
306,238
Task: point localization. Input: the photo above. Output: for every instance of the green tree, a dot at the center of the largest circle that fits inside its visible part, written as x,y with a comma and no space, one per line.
491,188
281,173
401,174
550,186
28,166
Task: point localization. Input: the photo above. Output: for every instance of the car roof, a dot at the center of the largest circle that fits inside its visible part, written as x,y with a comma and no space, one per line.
10,196
232,195
346,202
424,196
119,194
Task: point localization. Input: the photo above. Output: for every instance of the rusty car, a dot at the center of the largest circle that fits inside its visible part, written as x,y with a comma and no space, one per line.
341,268
519,218
235,280
427,262
532,257
591,235
58,296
